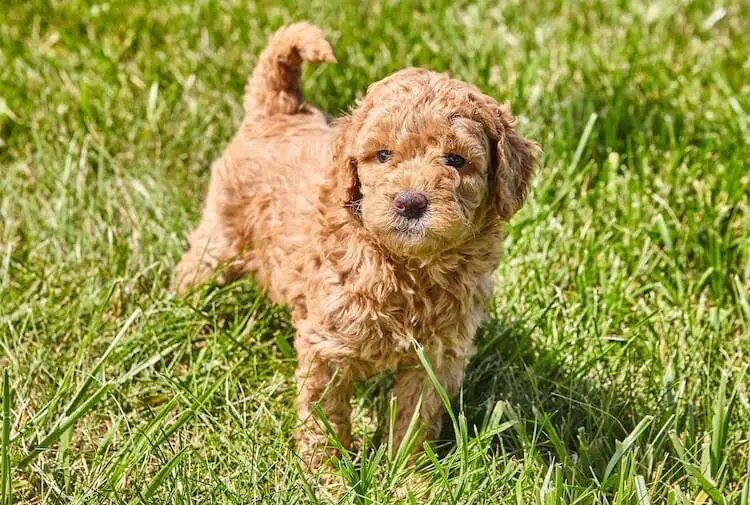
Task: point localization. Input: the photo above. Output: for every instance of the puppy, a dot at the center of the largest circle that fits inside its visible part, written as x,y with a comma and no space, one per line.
381,231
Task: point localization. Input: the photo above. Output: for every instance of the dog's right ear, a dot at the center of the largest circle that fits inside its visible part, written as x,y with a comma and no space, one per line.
343,178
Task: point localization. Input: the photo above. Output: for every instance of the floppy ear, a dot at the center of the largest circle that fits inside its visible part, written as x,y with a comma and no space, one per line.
514,163
342,188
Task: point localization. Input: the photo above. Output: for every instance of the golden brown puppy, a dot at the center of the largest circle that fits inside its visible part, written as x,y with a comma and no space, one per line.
381,231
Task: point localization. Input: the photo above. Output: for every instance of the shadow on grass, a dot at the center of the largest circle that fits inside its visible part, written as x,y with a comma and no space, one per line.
542,390
243,313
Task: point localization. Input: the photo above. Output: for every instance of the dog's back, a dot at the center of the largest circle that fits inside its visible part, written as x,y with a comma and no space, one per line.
266,182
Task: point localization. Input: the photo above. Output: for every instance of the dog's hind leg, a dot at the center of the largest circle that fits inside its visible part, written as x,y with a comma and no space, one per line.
274,86
213,249
209,255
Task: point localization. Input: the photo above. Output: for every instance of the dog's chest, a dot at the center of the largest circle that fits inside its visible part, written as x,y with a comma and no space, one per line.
416,314
371,317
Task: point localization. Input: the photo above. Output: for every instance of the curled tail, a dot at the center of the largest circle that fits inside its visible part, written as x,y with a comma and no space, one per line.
274,86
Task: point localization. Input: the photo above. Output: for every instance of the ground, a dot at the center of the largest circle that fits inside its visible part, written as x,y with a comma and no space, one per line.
612,368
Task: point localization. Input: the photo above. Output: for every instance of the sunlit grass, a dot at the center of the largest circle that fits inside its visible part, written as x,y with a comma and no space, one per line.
612,368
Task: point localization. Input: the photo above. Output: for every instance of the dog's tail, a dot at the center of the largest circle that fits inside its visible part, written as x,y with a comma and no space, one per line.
274,87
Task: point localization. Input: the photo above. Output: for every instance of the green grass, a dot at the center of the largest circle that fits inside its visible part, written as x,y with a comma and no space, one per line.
612,367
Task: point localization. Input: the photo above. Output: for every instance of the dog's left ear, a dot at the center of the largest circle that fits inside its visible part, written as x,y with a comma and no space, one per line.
514,160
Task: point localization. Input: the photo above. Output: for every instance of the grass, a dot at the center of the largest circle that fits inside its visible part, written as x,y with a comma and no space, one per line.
612,368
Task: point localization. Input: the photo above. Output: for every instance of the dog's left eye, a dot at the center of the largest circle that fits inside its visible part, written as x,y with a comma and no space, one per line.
384,155
454,160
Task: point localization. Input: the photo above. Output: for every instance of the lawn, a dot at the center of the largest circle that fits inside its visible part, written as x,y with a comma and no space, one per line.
612,368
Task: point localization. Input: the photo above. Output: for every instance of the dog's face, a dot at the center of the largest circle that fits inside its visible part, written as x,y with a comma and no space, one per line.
423,176
431,158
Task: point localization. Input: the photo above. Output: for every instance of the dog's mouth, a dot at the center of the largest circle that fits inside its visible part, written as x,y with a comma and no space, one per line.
411,228
410,236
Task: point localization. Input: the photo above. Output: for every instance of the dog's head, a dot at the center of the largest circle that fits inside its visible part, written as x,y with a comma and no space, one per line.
424,161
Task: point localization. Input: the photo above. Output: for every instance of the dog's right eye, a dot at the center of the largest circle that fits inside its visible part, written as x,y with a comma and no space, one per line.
383,155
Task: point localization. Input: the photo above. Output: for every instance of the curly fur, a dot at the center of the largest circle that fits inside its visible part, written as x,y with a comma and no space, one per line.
306,207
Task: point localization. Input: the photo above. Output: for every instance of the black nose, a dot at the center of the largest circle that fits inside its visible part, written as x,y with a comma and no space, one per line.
410,204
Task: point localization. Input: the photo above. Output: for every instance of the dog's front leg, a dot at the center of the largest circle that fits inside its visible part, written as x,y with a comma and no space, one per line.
411,383
319,382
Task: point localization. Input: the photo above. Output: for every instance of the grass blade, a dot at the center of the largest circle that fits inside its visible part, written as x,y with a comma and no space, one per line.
163,473
706,483
583,141
413,431
94,371
6,491
625,445
440,391
305,485
642,490
63,425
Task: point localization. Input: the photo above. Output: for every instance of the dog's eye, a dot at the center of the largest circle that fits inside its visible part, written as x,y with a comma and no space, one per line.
384,155
454,160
